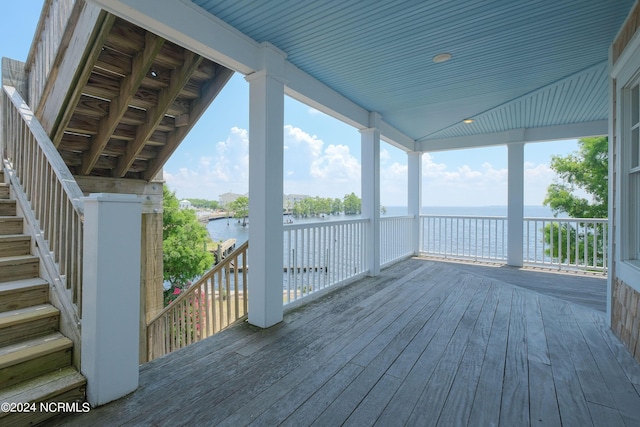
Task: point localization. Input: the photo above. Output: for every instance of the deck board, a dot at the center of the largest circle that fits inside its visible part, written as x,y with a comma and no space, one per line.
515,389
424,343
457,408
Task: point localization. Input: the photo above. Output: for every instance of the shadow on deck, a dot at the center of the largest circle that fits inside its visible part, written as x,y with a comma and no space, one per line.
424,343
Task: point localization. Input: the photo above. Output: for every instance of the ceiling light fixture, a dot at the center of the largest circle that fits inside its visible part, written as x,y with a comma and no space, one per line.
467,121
441,57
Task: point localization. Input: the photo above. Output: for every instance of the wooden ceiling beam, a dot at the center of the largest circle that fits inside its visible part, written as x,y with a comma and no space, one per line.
166,97
83,77
199,106
140,66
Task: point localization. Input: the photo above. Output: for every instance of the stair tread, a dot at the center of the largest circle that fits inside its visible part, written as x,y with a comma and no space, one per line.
22,285
14,317
17,258
31,349
43,387
15,237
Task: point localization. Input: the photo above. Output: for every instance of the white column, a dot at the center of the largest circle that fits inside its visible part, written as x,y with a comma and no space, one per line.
370,183
414,196
111,296
266,150
515,210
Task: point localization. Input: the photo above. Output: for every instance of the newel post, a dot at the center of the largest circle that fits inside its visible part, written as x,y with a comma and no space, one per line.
111,295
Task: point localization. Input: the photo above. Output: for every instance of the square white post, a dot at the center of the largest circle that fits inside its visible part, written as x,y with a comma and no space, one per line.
266,151
515,209
414,196
111,296
370,182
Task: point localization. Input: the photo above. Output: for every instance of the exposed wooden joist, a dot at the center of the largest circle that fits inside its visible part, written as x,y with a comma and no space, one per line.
83,78
167,96
185,24
140,66
199,106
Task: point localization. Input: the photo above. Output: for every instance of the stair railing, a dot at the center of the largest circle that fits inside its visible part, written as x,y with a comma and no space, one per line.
49,37
48,188
215,301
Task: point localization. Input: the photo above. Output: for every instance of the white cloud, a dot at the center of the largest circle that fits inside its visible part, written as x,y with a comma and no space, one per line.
331,170
310,167
210,176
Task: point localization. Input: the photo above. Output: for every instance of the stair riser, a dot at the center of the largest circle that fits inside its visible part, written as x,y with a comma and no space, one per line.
4,191
7,208
15,247
27,330
23,299
32,368
21,270
10,226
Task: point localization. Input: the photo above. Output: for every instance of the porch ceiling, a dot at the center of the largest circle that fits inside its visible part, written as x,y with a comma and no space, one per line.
514,66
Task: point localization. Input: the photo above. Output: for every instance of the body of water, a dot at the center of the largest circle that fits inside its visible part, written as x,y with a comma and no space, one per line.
222,229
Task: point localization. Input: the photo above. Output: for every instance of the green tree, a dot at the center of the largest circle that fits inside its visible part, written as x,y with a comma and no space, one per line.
586,170
240,208
205,204
336,206
184,242
352,204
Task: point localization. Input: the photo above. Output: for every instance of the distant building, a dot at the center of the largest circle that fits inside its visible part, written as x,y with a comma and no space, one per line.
227,198
288,200
185,204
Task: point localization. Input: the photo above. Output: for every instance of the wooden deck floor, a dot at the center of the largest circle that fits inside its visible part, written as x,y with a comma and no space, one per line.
424,343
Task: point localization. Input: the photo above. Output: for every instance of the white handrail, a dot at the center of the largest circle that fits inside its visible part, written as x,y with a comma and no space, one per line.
566,243
396,239
50,189
563,243
322,254
478,238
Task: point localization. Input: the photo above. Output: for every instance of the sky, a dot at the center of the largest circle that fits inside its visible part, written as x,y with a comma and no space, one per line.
322,154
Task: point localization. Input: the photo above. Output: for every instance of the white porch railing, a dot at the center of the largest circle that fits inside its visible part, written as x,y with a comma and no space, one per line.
395,239
464,237
566,243
563,243
322,254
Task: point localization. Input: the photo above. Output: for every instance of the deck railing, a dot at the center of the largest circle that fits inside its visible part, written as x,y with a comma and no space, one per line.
214,302
563,243
566,243
464,237
322,254
396,239
49,189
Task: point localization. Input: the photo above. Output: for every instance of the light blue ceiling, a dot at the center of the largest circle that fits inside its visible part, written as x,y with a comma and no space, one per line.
515,63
